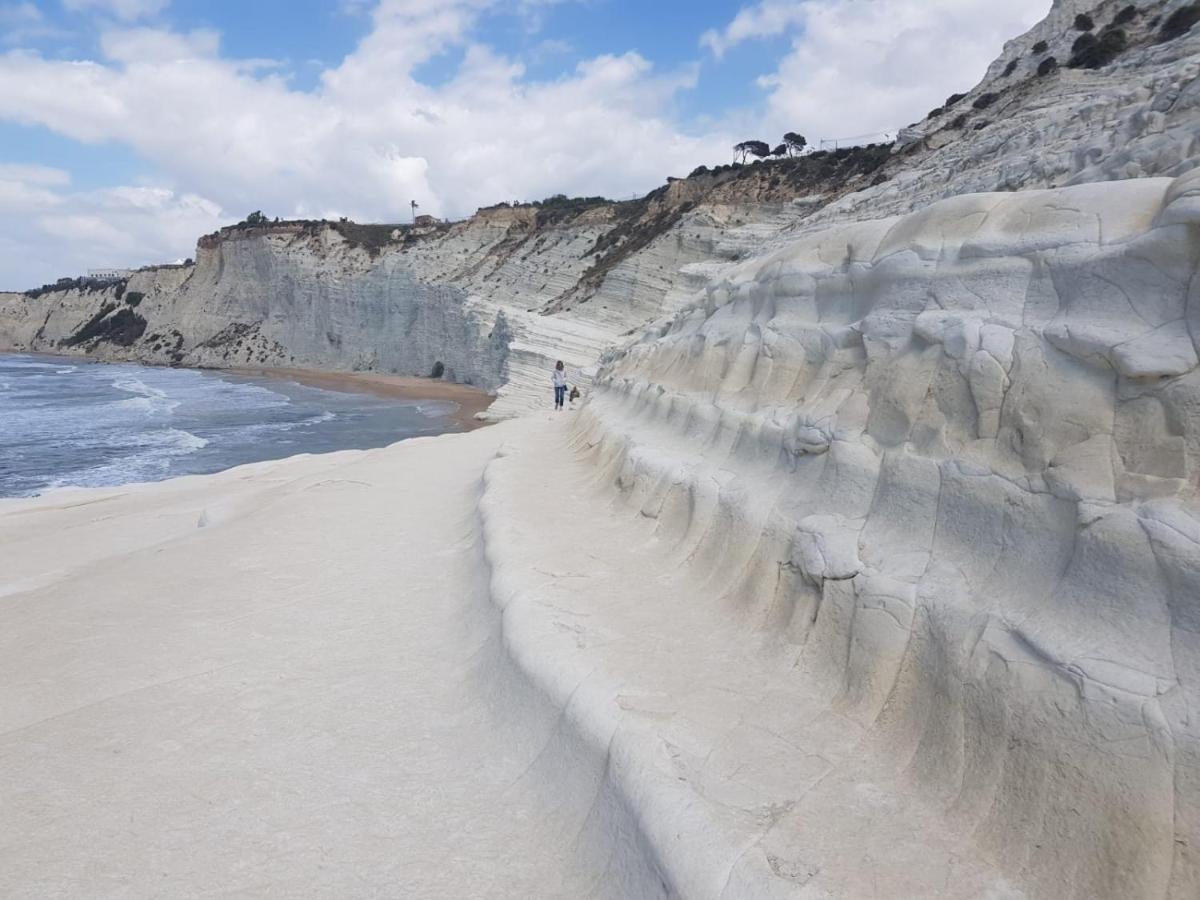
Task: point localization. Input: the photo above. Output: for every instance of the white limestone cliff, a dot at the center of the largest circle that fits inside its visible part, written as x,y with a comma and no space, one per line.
497,298
1133,117
871,567
952,460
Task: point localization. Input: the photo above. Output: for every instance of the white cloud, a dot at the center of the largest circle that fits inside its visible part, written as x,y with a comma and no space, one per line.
48,231
126,10
153,46
34,174
766,19
19,14
23,22
368,140
861,67
371,137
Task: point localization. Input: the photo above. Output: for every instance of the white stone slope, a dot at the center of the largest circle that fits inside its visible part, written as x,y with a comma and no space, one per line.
286,680
877,573
950,463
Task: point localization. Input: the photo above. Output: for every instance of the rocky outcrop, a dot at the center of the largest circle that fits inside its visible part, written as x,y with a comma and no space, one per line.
275,298
953,460
1043,116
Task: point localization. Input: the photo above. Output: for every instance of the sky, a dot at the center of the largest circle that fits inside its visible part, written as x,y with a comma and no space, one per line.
128,128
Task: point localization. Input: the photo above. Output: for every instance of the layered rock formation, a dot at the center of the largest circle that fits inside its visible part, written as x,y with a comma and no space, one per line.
871,567
497,298
303,297
953,460
1042,117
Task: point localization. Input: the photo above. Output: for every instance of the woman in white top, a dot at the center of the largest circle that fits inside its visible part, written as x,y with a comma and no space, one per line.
560,384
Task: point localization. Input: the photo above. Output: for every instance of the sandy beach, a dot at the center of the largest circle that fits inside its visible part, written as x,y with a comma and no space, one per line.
470,401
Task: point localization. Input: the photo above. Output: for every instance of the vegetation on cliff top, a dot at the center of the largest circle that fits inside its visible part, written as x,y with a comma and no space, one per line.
369,236
793,145
75,284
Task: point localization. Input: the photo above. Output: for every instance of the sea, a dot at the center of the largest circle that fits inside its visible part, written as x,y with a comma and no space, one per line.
65,422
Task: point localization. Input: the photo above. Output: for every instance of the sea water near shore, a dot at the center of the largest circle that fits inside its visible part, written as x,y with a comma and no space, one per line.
69,422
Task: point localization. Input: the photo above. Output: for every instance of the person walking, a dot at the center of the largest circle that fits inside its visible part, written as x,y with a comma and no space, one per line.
560,384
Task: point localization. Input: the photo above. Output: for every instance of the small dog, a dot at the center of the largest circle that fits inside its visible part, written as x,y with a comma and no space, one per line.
573,396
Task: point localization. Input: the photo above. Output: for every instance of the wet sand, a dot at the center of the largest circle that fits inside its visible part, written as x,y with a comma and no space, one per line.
470,400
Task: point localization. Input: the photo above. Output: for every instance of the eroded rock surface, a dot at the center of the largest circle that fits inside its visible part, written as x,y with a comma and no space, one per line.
953,458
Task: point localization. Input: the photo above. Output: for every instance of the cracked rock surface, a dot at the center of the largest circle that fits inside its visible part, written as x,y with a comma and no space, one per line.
992,566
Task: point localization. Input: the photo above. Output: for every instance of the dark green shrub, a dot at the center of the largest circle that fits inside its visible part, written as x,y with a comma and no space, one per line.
958,121
1040,47
372,238
133,298
562,201
952,99
934,113
439,369
63,284
1010,68
983,101
1046,66
699,170
1098,52
1125,16
1179,22
90,328
1083,22
123,327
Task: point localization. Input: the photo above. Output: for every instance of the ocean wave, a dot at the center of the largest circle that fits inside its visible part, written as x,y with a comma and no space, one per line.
437,409
324,416
99,425
307,422
174,440
155,451
149,400
26,362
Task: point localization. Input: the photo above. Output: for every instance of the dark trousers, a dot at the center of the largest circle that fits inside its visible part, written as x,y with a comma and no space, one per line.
560,392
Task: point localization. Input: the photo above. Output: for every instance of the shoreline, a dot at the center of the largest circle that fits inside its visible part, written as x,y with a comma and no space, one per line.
470,401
